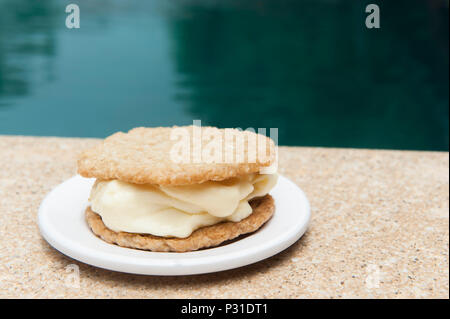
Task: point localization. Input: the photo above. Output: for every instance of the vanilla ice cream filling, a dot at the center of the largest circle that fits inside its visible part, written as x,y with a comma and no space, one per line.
176,211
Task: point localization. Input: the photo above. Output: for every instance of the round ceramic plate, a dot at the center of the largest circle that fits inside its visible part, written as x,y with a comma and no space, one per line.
62,224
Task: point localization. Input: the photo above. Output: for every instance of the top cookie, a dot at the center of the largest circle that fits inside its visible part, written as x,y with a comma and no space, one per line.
177,155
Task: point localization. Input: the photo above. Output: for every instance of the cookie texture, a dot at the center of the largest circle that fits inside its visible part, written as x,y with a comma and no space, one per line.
146,156
209,236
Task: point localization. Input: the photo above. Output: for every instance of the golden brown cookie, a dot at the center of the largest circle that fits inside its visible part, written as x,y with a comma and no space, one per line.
143,156
208,236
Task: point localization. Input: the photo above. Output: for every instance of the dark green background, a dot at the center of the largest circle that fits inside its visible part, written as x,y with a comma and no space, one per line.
310,68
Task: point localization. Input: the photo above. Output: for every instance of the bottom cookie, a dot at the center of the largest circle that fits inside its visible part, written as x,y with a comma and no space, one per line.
209,236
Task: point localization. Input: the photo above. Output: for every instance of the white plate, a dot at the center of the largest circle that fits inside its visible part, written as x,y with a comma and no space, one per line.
62,224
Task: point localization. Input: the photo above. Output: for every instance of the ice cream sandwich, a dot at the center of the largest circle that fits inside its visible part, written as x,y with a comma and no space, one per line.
179,188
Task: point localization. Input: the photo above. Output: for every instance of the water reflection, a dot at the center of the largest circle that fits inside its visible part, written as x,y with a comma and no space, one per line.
309,68
27,33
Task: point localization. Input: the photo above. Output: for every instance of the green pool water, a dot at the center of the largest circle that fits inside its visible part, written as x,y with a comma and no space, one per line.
309,68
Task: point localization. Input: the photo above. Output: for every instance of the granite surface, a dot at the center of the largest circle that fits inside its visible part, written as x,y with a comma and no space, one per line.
379,229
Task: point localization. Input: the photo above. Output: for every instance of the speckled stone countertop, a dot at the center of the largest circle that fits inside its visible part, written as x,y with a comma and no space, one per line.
379,229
